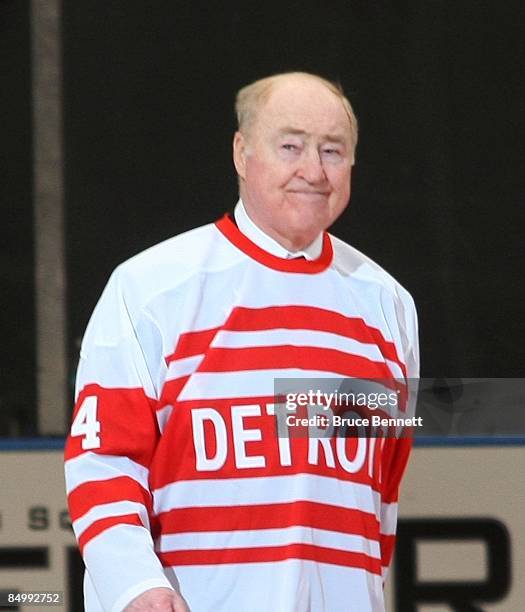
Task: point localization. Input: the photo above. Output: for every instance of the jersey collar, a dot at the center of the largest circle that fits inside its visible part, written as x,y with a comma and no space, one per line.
267,243
229,229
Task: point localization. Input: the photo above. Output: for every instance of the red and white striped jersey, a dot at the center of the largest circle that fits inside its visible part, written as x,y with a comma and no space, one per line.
175,475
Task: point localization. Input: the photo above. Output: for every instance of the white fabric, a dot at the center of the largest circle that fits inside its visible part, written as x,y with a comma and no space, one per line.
266,490
192,284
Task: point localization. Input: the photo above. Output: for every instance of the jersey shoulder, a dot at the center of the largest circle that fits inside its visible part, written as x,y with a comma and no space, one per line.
394,298
350,261
170,263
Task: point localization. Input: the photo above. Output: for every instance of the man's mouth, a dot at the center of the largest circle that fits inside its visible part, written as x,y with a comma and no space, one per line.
307,192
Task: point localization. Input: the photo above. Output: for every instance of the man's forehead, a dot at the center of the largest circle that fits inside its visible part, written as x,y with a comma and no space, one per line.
282,122
304,105
335,135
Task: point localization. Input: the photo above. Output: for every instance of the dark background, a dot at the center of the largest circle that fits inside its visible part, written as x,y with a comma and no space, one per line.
148,116
17,308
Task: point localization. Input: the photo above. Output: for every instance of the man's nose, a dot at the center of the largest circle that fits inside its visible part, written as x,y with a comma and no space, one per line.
311,168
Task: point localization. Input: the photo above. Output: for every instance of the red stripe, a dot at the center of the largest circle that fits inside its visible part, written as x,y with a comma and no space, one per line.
192,343
387,548
90,494
394,461
171,391
298,265
127,420
271,553
270,516
288,317
311,318
306,358
103,524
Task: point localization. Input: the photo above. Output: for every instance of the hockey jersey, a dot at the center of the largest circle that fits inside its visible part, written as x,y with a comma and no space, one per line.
174,472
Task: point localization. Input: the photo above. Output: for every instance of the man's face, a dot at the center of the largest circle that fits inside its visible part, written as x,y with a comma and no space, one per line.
295,162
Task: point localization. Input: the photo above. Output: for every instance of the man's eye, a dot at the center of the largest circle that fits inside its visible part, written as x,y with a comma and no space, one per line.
330,151
290,147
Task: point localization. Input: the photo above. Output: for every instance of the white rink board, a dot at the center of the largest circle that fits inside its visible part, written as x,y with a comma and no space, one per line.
442,482
467,482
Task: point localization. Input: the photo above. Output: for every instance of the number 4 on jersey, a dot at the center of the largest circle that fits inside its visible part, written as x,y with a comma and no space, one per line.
86,424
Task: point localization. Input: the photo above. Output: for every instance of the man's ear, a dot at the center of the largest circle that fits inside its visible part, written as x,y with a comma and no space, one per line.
239,154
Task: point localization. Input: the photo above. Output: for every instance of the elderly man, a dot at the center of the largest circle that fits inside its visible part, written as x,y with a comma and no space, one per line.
181,493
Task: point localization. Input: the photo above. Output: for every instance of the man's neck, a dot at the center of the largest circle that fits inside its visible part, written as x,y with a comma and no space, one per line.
252,231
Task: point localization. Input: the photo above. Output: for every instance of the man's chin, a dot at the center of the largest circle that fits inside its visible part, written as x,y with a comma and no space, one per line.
302,235
310,221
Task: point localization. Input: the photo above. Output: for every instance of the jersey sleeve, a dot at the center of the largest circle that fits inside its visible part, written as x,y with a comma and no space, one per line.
396,451
108,453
